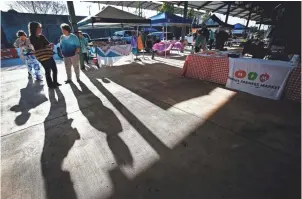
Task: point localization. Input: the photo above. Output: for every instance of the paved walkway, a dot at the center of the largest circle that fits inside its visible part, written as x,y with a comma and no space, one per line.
141,131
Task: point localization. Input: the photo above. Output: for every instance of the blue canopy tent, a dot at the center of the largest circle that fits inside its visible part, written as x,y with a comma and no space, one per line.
239,26
165,19
239,29
214,21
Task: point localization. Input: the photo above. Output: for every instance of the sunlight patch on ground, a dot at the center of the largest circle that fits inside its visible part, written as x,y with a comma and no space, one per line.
169,126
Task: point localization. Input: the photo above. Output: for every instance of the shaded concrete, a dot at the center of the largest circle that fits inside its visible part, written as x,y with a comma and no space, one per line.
142,131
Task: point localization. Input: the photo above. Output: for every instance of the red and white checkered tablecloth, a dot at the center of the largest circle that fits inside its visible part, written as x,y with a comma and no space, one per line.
292,90
210,68
216,69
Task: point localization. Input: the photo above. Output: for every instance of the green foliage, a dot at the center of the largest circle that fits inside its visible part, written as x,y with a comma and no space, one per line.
167,7
253,29
205,16
191,14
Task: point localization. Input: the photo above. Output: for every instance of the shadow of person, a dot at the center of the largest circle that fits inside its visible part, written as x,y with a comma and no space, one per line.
103,119
31,97
57,143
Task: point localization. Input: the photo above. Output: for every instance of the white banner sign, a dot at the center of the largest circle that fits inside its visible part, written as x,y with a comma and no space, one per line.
265,78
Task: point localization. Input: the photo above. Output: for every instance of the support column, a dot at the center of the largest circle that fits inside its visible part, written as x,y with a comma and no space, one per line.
183,31
259,26
99,5
227,14
248,19
72,16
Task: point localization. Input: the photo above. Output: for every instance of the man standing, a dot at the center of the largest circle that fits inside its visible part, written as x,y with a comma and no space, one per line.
211,38
84,49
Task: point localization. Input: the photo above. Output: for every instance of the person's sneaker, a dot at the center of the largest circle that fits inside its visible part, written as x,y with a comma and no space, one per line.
68,81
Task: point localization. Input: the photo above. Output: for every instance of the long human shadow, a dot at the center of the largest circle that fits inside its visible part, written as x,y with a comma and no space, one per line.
57,143
104,120
144,131
31,97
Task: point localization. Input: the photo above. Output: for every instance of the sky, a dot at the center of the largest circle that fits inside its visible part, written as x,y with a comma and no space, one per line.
82,9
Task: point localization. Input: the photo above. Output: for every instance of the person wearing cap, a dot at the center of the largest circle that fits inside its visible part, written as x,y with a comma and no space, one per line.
84,48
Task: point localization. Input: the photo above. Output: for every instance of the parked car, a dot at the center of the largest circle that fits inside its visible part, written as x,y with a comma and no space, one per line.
162,35
125,35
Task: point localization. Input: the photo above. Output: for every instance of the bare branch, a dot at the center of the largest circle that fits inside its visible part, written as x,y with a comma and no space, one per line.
39,7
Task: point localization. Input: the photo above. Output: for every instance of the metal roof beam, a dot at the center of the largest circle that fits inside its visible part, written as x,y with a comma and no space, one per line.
179,3
224,4
238,13
151,4
130,3
251,14
203,5
143,4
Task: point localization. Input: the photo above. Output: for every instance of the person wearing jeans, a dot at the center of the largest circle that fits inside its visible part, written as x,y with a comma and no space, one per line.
84,49
26,54
70,46
44,53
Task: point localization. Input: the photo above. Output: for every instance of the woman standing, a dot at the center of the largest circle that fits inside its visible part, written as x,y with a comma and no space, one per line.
70,45
200,42
44,53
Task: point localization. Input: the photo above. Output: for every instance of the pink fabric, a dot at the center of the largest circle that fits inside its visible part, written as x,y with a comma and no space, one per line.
161,46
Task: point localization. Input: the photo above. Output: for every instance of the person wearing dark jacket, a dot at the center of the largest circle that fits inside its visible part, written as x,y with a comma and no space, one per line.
221,37
44,53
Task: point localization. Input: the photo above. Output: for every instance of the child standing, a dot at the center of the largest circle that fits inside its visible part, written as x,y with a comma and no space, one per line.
26,54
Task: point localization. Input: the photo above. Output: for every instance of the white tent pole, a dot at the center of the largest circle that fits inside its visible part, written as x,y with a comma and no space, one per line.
166,38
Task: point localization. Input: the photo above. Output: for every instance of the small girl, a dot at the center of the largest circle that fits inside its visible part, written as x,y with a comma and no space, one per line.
26,54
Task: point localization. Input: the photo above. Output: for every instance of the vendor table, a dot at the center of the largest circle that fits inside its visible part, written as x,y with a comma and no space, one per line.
109,54
216,69
210,68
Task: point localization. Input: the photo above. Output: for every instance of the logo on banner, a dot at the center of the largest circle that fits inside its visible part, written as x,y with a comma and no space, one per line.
252,76
264,77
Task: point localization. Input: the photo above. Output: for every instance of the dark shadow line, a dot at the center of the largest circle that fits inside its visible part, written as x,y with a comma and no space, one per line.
104,120
31,97
146,133
57,143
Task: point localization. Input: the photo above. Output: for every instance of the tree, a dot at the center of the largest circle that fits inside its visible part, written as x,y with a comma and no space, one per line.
253,29
39,7
191,13
138,8
167,7
205,16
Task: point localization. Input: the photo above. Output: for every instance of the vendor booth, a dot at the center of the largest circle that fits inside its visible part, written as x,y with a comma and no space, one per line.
164,20
111,51
266,78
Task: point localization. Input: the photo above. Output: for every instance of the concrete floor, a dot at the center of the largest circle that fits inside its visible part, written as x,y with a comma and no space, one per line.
141,131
